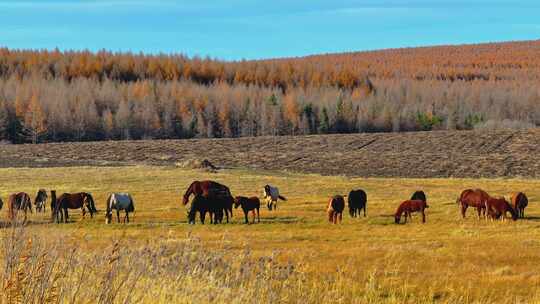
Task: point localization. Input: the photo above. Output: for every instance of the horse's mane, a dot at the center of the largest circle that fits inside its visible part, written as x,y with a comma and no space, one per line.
91,199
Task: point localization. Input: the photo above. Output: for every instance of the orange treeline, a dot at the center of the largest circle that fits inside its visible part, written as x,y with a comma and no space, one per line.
59,96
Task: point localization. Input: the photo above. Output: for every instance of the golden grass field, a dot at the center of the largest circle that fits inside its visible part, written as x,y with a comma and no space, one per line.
296,255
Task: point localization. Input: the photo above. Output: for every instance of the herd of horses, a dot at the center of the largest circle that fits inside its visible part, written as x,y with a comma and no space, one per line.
216,200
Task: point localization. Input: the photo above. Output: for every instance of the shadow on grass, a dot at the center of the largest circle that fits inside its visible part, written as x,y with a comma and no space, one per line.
530,218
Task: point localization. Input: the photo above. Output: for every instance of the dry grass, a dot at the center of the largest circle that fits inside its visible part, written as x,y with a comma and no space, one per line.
294,255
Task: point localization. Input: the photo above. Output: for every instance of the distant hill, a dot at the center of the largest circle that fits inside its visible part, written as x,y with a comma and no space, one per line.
414,154
81,96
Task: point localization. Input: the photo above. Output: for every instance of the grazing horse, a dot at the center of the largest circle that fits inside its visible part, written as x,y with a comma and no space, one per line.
335,209
519,202
248,204
271,196
409,207
357,200
40,200
19,201
497,207
214,206
473,198
212,191
73,201
119,201
419,196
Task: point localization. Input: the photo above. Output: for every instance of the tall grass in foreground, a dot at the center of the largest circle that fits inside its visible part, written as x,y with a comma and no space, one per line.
37,269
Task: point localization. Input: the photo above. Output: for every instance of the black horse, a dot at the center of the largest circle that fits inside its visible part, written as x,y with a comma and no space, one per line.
216,207
357,200
419,196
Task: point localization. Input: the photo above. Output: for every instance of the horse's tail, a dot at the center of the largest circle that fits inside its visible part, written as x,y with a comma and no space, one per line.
27,201
282,197
92,205
131,207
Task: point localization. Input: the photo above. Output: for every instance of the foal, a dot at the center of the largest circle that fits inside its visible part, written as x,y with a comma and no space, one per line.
335,209
248,204
498,207
408,207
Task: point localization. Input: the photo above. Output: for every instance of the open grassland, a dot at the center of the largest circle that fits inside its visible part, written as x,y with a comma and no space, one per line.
293,255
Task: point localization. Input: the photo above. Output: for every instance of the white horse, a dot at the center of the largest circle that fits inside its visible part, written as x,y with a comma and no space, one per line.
119,201
271,196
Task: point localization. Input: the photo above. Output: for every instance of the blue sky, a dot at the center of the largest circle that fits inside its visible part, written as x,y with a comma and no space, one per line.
236,29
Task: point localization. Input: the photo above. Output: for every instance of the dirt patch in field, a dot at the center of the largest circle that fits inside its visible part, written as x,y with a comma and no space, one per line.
418,154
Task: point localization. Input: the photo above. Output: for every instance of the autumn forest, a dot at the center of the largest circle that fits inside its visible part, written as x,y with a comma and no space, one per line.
49,96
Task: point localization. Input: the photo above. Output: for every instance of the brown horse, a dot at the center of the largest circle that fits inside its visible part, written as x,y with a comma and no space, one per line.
72,201
498,207
336,205
473,198
212,191
19,201
519,202
248,204
408,207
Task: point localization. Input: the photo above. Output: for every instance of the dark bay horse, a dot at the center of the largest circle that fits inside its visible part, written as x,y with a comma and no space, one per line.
357,200
40,200
519,202
218,198
215,207
498,207
419,196
67,201
248,204
335,209
409,207
473,198
19,201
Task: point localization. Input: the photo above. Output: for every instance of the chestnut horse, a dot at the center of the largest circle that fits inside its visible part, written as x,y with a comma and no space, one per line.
357,200
335,209
216,194
473,198
19,201
408,207
519,202
498,207
72,201
248,204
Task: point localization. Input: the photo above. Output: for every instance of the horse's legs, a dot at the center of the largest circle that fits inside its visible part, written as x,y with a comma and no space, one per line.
423,216
127,216
83,212
246,217
463,209
118,215
340,217
66,215
258,216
